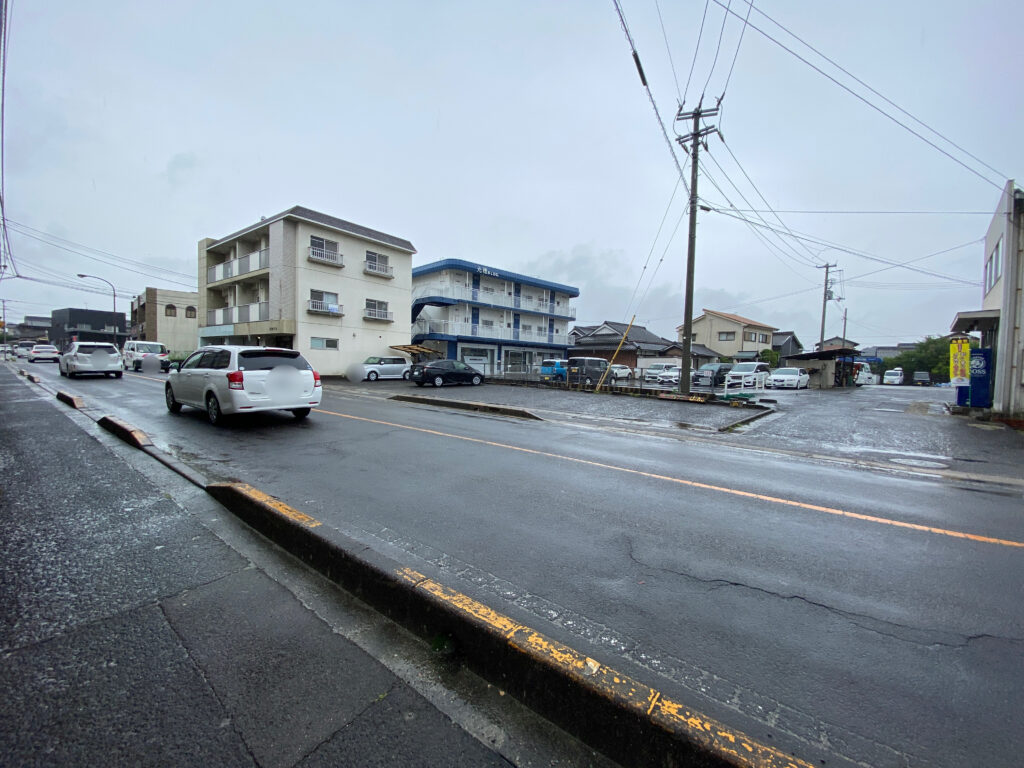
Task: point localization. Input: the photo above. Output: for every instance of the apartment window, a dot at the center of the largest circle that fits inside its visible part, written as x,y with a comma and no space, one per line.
377,310
190,312
322,246
379,260
994,267
323,297
320,343
763,337
727,335
525,327
487,323
171,311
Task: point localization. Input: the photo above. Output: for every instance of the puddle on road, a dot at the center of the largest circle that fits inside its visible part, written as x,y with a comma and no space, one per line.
920,463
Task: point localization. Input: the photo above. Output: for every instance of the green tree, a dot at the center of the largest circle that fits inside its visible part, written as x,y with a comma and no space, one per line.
931,354
770,356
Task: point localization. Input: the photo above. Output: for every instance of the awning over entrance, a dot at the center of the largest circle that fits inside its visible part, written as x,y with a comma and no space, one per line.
979,320
414,349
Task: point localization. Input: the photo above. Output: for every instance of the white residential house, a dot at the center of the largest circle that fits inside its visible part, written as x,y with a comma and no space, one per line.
492,319
336,291
730,335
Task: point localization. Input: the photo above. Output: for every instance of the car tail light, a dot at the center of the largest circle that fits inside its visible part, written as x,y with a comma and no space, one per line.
316,379
236,380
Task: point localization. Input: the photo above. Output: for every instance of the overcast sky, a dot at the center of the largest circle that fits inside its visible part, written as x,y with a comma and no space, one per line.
518,135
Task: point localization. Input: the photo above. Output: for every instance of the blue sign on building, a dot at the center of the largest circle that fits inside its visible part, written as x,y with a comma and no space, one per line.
981,378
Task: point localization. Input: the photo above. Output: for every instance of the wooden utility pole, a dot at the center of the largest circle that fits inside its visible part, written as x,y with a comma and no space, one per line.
694,137
824,305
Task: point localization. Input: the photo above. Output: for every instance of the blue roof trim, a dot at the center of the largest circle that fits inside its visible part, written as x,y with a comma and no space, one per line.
503,343
439,301
483,269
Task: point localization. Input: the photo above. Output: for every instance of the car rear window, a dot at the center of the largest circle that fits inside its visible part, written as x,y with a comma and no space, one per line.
265,360
94,347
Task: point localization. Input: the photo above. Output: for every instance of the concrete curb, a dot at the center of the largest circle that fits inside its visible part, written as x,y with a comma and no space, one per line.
469,405
623,718
134,437
75,401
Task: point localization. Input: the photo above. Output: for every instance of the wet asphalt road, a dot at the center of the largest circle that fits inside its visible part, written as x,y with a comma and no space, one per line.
785,596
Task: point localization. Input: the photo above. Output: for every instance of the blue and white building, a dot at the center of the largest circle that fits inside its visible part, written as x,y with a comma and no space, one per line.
492,319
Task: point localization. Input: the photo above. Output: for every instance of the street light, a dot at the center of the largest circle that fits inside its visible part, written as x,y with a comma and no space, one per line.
113,293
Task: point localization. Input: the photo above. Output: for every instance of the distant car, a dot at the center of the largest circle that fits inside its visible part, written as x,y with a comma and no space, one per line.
22,348
748,375
136,353
711,374
374,367
922,379
789,378
895,376
617,372
90,357
226,379
441,372
654,370
44,352
552,370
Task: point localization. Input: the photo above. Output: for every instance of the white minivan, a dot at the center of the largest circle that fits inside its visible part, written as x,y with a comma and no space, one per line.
895,376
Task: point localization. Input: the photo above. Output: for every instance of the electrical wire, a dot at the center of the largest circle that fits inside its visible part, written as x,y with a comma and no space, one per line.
668,49
696,50
718,48
864,100
668,207
877,93
743,29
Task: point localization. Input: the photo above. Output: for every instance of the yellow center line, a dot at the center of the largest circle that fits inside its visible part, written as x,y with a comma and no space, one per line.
694,483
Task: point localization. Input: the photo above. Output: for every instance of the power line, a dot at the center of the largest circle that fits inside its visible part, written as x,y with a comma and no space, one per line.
668,49
735,56
837,212
877,93
718,48
650,95
861,98
650,253
696,49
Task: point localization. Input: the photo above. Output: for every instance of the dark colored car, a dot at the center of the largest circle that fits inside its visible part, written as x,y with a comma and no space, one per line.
587,370
441,372
922,379
710,374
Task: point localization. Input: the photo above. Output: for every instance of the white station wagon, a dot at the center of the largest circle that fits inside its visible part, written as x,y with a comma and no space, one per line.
225,380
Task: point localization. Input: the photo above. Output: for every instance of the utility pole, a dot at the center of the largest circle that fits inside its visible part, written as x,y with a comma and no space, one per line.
844,325
694,137
824,305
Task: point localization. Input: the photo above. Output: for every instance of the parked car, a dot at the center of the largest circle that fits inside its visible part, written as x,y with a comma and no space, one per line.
441,372
617,372
670,376
374,367
90,357
136,352
922,379
789,378
44,352
711,374
225,380
552,370
748,375
585,370
894,376
654,370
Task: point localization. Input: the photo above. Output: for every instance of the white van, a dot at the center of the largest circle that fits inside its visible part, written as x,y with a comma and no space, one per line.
134,352
895,376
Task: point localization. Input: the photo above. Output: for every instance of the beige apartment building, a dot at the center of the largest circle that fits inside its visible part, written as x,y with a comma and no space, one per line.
171,317
730,335
336,291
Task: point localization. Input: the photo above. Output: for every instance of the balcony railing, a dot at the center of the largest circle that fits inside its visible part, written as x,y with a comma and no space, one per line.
240,266
497,299
325,257
370,313
324,308
446,328
381,270
243,313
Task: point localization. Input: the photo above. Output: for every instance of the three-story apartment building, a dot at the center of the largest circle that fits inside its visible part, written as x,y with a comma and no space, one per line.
495,320
334,290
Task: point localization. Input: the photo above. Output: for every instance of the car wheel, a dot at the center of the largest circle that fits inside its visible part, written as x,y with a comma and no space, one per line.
476,380
213,412
62,371
438,381
136,366
419,383
172,404
372,376
71,374
300,413
118,374
405,375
